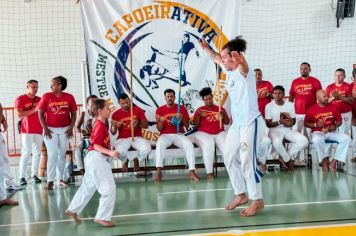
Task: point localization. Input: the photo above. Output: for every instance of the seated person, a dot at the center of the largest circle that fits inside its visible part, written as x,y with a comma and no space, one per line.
210,124
121,122
167,118
280,118
324,119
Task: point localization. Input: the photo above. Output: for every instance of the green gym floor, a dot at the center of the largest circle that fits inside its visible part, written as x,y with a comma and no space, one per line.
178,206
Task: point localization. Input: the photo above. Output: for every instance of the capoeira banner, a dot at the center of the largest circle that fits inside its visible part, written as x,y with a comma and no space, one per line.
162,36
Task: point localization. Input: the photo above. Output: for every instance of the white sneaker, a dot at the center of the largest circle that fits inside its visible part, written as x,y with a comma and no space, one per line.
14,188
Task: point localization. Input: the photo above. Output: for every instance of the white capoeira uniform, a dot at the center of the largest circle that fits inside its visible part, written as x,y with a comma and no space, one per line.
97,177
140,144
277,134
244,136
265,146
299,127
5,165
207,144
3,194
345,126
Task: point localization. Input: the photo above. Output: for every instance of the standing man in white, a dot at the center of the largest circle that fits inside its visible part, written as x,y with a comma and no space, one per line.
31,131
245,133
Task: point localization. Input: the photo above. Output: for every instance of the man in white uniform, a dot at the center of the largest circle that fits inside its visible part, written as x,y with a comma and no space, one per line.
245,133
280,118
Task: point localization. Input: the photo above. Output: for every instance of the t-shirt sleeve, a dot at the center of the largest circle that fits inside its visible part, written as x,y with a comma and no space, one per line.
270,87
328,90
72,104
318,85
43,103
141,114
268,115
19,103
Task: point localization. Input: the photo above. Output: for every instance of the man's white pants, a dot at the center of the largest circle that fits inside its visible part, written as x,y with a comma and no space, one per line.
345,126
7,175
207,144
31,144
322,149
299,126
240,157
56,151
179,140
3,194
97,177
297,142
140,144
353,130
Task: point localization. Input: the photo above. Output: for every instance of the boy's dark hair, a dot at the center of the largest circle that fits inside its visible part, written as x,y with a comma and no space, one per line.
279,87
98,104
169,91
341,70
238,44
90,97
32,81
258,69
305,63
63,81
123,96
205,91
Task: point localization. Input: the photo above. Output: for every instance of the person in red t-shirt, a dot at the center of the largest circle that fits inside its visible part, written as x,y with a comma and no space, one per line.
303,94
121,123
324,119
98,175
264,91
207,121
353,128
57,113
165,116
340,95
31,131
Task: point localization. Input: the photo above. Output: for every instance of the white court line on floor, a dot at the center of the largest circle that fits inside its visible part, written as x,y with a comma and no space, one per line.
196,191
181,211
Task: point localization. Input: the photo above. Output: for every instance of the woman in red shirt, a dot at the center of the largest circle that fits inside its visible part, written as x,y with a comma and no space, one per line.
57,113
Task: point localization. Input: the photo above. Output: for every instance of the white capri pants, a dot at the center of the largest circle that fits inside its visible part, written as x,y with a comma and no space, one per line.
97,177
207,144
7,175
179,140
140,144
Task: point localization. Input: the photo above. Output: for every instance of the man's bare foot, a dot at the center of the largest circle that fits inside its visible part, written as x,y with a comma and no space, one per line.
291,165
353,159
193,176
125,166
158,177
325,165
238,201
333,166
255,207
104,223
8,202
210,176
49,186
263,168
136,166
283,164
74,216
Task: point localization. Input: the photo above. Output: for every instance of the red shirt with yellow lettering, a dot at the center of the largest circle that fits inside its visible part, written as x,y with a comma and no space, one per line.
210,123
168,113
29,124
99,135
344,89
329,114
124,117
304,93
57,109
262,88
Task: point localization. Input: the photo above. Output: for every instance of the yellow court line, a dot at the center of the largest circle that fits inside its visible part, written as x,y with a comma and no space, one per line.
322,230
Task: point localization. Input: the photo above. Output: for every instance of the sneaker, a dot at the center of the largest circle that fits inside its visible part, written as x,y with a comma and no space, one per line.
23,182
14,188
36,179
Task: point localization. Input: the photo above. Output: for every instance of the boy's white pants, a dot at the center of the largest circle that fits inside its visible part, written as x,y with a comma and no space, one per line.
207,144
297,142
56,151
179,140
345,126
31,144
299,126
7,175
97,177
240,157
140,144
322,149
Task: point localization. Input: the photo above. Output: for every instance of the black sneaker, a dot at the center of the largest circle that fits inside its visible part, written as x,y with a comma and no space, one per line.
36,179
23,182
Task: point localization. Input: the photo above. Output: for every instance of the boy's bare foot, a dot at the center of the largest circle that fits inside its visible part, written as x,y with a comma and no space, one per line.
325,165
291,165
104,223
193,176
74,216
8,202
238,201
136,166
255,207
158,177
333,166
210,176
49,186
125,166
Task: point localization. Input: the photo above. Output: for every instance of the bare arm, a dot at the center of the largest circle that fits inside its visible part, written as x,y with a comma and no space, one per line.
106,151
348,99
240,59
21,113
80,122
216,57
47,132
144,124
291,98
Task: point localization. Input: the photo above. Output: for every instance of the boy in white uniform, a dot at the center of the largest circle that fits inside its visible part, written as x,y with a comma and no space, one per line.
245,134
